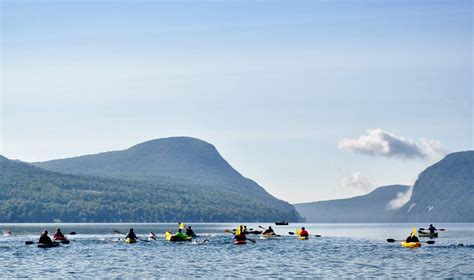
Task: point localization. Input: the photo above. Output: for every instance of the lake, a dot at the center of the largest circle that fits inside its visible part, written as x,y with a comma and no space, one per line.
344,250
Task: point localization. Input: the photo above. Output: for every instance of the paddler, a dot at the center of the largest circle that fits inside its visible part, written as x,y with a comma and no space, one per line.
432,229
44,238
412,237
303,232
180,234
190,232
59,235
240,234
268,231
131,235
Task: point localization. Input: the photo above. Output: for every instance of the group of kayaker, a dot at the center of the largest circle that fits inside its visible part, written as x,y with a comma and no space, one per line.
412,238
45,239
239,235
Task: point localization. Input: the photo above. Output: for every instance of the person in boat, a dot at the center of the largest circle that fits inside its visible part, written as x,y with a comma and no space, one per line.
240,234
432,229
131,235
180,234
59,235
303,232
152,235
190,232
412,237
268,231
44,238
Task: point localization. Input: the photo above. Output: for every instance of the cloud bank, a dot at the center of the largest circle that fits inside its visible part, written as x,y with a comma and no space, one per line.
433,149
377,142
401,199
357,181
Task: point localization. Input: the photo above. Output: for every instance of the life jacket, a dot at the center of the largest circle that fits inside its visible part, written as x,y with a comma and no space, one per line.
303,233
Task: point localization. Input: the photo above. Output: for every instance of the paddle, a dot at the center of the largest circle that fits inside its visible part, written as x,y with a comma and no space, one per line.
440,229
251,229
138,239
292,233
391,240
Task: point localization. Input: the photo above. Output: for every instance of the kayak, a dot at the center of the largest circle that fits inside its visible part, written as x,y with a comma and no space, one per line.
268,236
240,242
42,245
63,240
176,238
410,244
129,240
303,237
427,234
281,223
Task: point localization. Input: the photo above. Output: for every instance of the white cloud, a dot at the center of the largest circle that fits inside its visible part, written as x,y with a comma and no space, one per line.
433,149
401,199
378,142
357,181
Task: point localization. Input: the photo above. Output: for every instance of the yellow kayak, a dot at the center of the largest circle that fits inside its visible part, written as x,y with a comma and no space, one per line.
411,244
170,237
128,240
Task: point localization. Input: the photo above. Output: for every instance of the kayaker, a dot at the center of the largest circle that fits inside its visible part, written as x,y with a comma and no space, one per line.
432,229
44,238
190,232
268,231
240,234
58,235
180,234
412,237
303,232
131,235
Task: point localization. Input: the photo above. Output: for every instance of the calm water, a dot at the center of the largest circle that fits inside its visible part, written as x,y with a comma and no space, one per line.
344,250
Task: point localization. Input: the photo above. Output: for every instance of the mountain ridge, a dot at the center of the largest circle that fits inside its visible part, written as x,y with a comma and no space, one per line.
443,192
371,207
181,170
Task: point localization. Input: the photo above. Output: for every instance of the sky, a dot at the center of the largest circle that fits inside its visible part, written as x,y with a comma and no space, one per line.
313,100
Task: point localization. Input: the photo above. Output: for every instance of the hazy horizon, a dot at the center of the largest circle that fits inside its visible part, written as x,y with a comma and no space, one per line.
312,100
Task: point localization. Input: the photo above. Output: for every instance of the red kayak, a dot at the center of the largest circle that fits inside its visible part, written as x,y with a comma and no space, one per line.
240,242
61,239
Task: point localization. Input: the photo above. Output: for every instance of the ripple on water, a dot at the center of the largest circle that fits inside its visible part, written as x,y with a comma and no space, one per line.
100,255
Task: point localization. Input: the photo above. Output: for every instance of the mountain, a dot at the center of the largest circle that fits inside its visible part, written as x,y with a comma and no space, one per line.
163,180
369,208
444,192
177,159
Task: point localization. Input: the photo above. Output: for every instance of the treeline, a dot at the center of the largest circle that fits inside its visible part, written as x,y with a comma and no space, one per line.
31,194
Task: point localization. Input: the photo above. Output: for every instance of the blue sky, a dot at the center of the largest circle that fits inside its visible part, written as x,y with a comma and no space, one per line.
276,86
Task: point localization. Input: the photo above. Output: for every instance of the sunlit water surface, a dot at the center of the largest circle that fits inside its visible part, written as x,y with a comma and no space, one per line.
344,250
